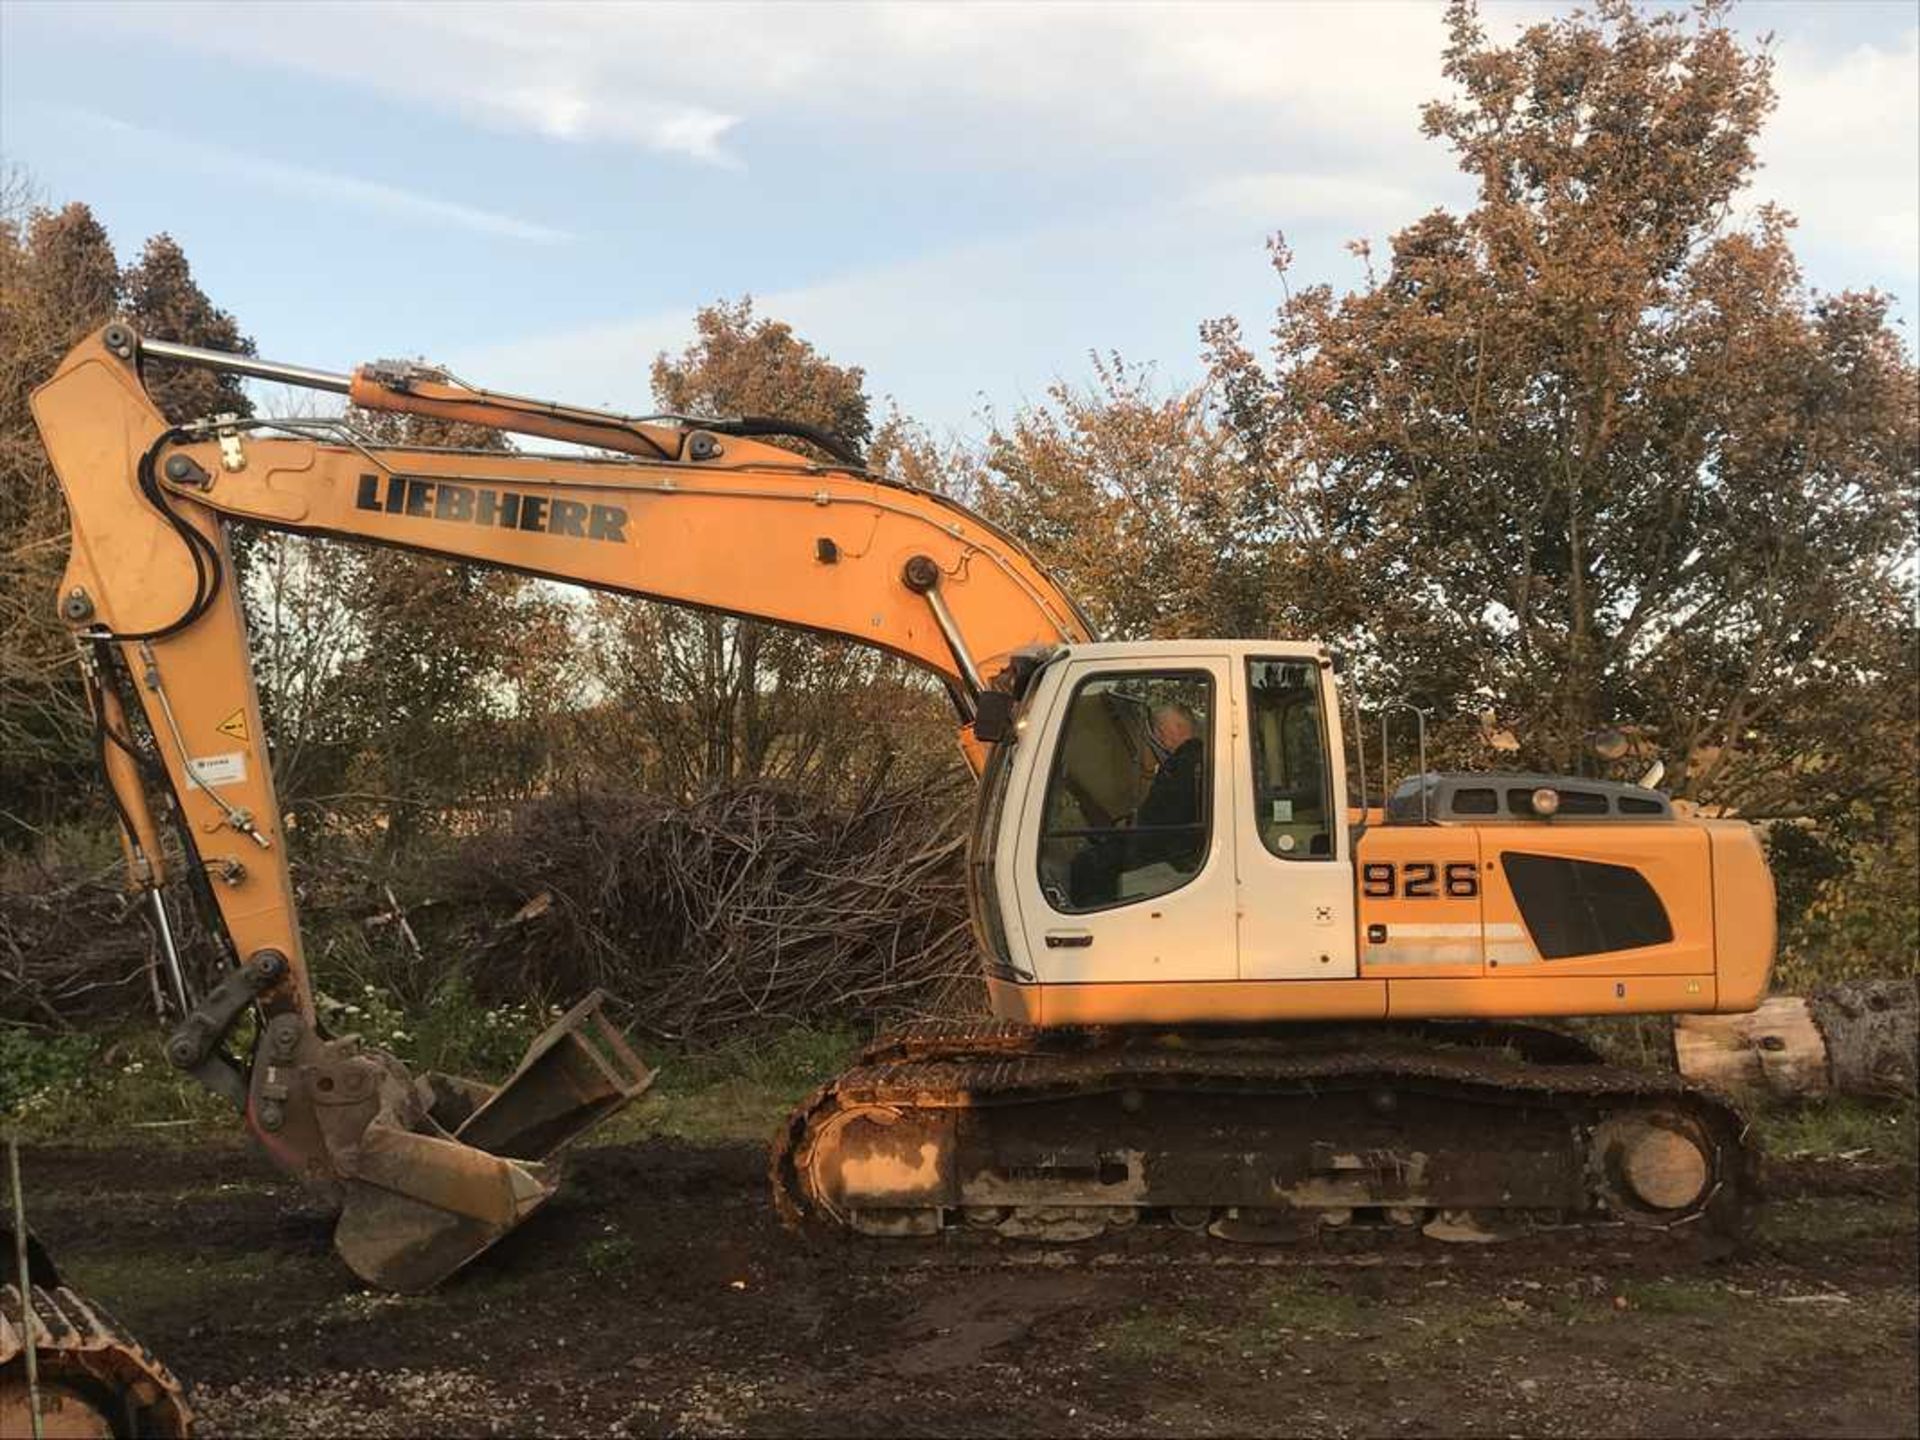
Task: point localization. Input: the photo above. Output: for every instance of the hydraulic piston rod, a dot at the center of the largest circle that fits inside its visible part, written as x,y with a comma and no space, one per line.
231,364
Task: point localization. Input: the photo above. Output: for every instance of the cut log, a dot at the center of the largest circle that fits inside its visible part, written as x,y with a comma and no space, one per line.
1872,1030
1777,1050
1859,1037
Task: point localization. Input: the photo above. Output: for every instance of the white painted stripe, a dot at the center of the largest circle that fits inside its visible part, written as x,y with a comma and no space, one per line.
1430,932
1521,954
1423,954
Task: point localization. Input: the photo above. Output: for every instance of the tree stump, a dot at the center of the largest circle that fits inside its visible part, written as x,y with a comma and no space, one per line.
1859,1037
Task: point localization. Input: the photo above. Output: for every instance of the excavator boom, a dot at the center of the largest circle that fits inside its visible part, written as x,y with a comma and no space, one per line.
430,1170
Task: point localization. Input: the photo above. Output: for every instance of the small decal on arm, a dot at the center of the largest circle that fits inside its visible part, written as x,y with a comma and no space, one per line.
209,772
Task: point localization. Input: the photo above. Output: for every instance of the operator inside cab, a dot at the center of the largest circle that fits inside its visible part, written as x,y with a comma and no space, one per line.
1126,810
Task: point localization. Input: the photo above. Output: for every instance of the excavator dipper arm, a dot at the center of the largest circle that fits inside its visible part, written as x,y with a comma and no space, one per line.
431,1170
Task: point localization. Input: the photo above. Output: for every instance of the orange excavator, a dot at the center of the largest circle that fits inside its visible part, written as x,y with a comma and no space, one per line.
1223,998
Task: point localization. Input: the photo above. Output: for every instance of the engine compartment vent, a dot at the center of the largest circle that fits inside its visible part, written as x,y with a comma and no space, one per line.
1465,798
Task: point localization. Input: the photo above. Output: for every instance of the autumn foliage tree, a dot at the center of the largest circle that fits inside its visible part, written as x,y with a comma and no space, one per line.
1594,454
59,279
160,297
1136,499
698,700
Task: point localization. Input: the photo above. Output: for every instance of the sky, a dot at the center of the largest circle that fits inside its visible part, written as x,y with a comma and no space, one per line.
966,199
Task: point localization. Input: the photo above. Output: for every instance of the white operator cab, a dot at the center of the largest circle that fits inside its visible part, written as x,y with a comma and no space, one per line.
1170,811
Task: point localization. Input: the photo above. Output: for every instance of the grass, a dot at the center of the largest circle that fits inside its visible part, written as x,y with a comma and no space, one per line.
1278,1312
142,1280
1887,1132
106,1089
102,1089
1640,1042
736,1092
117,1087
610,1254
1686,1296
1287,1319
1833,1219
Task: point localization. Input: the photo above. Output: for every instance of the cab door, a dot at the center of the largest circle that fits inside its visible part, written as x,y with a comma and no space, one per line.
1126,865
1295,866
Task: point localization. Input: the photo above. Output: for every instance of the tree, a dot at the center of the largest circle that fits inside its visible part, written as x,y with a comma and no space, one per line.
1136,501
403,685
163,301
58,279
698,700
743,364
1593,454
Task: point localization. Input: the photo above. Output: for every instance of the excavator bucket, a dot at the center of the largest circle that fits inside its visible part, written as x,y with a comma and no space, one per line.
448,1165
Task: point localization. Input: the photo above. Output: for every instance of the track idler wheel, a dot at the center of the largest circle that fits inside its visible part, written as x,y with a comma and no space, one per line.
1653,1167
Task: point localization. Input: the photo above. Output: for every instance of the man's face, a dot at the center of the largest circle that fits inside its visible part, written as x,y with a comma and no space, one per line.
1171,730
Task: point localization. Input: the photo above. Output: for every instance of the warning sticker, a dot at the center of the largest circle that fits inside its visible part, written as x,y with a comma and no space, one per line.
236,726
209,772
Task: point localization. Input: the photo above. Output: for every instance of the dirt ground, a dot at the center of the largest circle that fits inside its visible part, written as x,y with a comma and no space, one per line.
659,1295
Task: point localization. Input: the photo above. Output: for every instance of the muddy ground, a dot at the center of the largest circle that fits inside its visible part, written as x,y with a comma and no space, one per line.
659,1295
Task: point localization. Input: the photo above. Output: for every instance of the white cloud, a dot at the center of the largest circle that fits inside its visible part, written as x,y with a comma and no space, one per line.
996,318
568,71
947,324
1289,198
1181,90
1209,123
1024,83
318,185
1843,153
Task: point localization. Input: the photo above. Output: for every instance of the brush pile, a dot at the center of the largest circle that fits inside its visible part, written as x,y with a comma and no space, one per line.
751,905
69,951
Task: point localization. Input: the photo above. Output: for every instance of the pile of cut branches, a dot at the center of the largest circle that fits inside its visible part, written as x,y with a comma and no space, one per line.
68,952
753,904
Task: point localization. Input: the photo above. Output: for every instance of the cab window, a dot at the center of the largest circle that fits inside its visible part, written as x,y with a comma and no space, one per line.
1291,802
1127,808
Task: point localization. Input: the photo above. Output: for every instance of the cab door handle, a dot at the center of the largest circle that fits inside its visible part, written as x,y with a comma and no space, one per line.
1069,939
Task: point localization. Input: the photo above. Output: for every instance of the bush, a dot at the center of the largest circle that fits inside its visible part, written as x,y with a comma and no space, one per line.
33,1062
68,1087
452,1032
69,953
